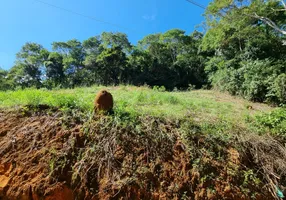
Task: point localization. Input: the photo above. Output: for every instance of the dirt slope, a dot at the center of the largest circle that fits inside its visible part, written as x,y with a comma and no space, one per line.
51,156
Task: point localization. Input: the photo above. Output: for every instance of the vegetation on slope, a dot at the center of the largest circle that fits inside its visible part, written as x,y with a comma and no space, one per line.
201,144
198,104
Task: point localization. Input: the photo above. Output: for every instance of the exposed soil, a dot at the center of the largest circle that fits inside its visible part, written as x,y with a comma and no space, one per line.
45,155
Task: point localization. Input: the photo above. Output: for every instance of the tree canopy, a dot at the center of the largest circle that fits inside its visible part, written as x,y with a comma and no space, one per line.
249,55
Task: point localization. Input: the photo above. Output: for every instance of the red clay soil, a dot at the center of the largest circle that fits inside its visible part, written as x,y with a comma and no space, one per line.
30,142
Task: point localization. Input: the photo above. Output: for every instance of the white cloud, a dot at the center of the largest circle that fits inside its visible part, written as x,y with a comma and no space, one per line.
149,17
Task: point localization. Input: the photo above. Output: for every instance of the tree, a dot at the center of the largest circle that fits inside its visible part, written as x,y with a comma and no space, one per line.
73,57
55,69
139,62
4,84
248,52
118,39
31,58
173,59
190,62
111,62
148,40
160,61
93,48
175,40
264,11
233,30
17,77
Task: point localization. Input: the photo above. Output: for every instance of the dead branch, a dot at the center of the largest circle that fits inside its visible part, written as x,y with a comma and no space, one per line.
269,22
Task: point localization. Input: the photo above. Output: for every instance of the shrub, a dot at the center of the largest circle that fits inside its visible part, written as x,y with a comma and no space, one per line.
275,121
278,89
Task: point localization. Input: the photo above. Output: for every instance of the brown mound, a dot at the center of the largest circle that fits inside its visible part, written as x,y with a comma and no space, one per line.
43,157
103,101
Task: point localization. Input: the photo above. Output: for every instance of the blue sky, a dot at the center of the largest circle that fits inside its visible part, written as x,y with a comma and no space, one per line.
24,21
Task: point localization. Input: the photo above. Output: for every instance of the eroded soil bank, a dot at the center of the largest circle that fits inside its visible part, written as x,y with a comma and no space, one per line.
47,154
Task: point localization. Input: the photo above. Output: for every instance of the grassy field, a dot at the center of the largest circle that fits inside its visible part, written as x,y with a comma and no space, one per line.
212,110
200,105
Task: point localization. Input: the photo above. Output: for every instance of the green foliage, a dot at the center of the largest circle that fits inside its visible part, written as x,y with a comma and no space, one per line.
249,55
54,70
30,60
224,76
159,89
171,59
4,83
278,89
112,65
73,56
257,79
110,39
275,121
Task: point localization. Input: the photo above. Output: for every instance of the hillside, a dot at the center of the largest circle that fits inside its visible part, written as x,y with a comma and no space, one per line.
199,144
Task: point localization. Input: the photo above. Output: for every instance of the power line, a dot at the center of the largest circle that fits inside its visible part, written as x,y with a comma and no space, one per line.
83,15
196,4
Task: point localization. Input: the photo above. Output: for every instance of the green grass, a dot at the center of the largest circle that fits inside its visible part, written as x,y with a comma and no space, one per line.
198,105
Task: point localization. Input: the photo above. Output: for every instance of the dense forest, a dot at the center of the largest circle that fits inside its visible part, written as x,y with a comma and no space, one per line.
242,52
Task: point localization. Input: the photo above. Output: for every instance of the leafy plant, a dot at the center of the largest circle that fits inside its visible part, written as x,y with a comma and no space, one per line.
275,121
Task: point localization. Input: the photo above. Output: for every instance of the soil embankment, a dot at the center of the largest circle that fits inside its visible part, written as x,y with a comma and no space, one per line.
46,154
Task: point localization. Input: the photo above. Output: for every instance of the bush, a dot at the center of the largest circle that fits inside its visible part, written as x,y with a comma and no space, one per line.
278,89
159,88
256,80
275,121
